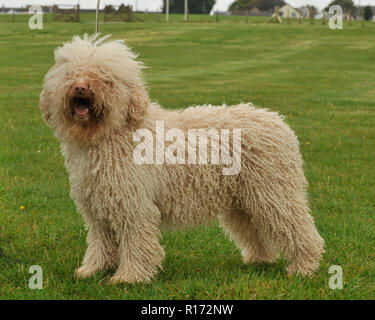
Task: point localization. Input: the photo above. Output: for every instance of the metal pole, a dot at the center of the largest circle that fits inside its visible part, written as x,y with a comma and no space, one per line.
363,17
167,11
97,17
362,12
186,10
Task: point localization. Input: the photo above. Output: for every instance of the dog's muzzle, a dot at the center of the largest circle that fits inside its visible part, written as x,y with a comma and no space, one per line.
82,100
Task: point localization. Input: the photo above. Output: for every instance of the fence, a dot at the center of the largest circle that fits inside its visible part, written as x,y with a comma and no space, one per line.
70,13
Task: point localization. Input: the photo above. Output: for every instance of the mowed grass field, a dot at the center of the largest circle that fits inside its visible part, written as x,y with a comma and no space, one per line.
321,80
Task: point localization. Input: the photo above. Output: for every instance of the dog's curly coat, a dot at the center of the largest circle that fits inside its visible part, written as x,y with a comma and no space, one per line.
263,209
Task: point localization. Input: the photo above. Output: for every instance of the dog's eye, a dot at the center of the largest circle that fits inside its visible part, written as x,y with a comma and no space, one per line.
109,83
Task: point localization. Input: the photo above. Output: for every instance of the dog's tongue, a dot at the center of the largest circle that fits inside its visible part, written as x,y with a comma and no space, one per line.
81,110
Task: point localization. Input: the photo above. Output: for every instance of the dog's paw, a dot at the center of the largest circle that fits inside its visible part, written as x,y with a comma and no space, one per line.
298,270
124,278
251,258
85,272
119,278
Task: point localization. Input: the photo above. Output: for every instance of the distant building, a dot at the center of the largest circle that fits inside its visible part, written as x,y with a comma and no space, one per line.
288,11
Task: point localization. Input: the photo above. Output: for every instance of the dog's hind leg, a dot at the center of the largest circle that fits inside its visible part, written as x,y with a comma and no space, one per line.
289,225
308,246
300,242
101,253
254,246
140,253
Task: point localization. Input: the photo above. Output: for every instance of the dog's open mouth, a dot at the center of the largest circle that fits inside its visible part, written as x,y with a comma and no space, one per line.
81,106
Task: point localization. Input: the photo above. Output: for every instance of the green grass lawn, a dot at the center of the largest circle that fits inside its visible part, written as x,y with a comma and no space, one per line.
321,80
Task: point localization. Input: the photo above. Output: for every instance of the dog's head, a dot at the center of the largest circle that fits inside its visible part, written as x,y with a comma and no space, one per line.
95,87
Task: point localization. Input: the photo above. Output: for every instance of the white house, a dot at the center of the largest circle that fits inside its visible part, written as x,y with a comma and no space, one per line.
288,11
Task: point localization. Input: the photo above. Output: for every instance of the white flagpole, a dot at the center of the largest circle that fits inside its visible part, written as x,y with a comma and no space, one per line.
167,10
186,10
97,17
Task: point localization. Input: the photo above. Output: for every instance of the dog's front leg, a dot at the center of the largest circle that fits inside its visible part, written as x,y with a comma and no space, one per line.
101,252
140,252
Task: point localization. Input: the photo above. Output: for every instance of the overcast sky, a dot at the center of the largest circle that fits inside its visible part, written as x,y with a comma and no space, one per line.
153,5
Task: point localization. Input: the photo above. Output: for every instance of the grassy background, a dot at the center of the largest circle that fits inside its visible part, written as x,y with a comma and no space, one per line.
321,80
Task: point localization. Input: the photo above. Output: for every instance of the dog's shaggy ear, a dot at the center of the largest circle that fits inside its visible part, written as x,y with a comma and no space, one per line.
44,106
138,104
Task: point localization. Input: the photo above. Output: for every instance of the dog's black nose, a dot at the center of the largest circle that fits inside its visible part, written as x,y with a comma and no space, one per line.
81,88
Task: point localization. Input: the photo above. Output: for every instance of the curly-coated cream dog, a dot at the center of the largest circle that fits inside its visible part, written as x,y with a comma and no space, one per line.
95,100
